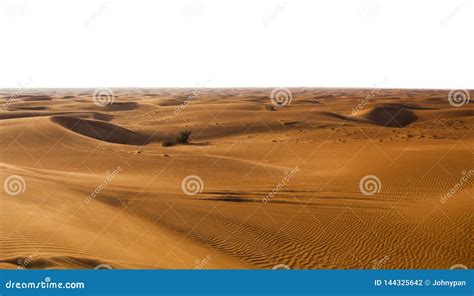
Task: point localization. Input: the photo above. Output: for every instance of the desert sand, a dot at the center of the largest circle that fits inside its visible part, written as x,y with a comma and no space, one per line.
329,179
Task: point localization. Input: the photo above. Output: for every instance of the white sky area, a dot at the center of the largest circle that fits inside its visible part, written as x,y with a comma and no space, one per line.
227,43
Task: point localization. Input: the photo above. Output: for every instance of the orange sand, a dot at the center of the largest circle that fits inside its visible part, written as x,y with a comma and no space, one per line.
312,154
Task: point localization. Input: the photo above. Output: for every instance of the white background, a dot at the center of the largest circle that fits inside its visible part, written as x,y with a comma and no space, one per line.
410,44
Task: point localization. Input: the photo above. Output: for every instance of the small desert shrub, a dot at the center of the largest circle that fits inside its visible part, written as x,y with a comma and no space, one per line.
270,108
183,137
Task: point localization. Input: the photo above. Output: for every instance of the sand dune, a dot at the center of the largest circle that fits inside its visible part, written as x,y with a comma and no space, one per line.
389,115
100,130
35,97
120,106
335,179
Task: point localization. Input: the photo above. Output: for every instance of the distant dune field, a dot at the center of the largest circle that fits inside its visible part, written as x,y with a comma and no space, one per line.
236,178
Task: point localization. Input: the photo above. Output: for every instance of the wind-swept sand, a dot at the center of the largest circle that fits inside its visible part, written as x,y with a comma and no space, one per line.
86,184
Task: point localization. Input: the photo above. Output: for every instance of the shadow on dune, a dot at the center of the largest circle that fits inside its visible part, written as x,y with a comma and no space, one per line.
52,262
100,130
121,106
389,116
28,108
34,98
12,114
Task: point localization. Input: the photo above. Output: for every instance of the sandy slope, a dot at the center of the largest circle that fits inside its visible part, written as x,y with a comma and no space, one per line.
312,154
